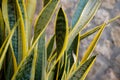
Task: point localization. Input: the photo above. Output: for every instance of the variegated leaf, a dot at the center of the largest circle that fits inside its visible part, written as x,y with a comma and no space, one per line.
86,16
92,44
83,69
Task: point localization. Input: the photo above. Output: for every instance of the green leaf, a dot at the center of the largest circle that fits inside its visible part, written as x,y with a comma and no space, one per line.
73,50
12,20
90,32
9,11
2,29
40,73
9,65
9,15
80,7
22,40
45,2
86,16
5,47
83,70
61,32
92,44
41,63
44,18
24,70
50,46
21,9
30,14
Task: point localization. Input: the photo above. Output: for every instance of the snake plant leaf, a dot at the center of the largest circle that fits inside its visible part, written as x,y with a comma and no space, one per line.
73,50
4,50
40,72
12,20
90,32
45,2
33,70
61,32
50,46
10,15
5,14
92,44
80,7
83,70
30,14
22,40
44,18
24,70
21,9
86,16
2,29
10,64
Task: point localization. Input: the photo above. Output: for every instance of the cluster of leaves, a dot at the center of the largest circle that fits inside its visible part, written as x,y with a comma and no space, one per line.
24,56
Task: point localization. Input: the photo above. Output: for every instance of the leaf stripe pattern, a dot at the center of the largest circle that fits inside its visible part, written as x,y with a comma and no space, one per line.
12,20
21,2
73,50
41,59
87,14
78,12
44,18
60,30
24,72
50,46
82,69
61,36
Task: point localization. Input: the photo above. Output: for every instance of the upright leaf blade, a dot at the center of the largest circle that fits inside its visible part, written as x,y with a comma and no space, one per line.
61,33
82,70
90,32
4,50
80,7
43,21
40,70
22,40
9,10
9,15
87,14
92,44
73,50
50,46
40,73
25,68
44,18
30,7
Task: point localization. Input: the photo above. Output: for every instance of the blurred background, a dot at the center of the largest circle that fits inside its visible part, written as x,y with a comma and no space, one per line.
107,65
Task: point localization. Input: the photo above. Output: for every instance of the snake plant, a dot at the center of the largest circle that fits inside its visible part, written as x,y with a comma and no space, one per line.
28,56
